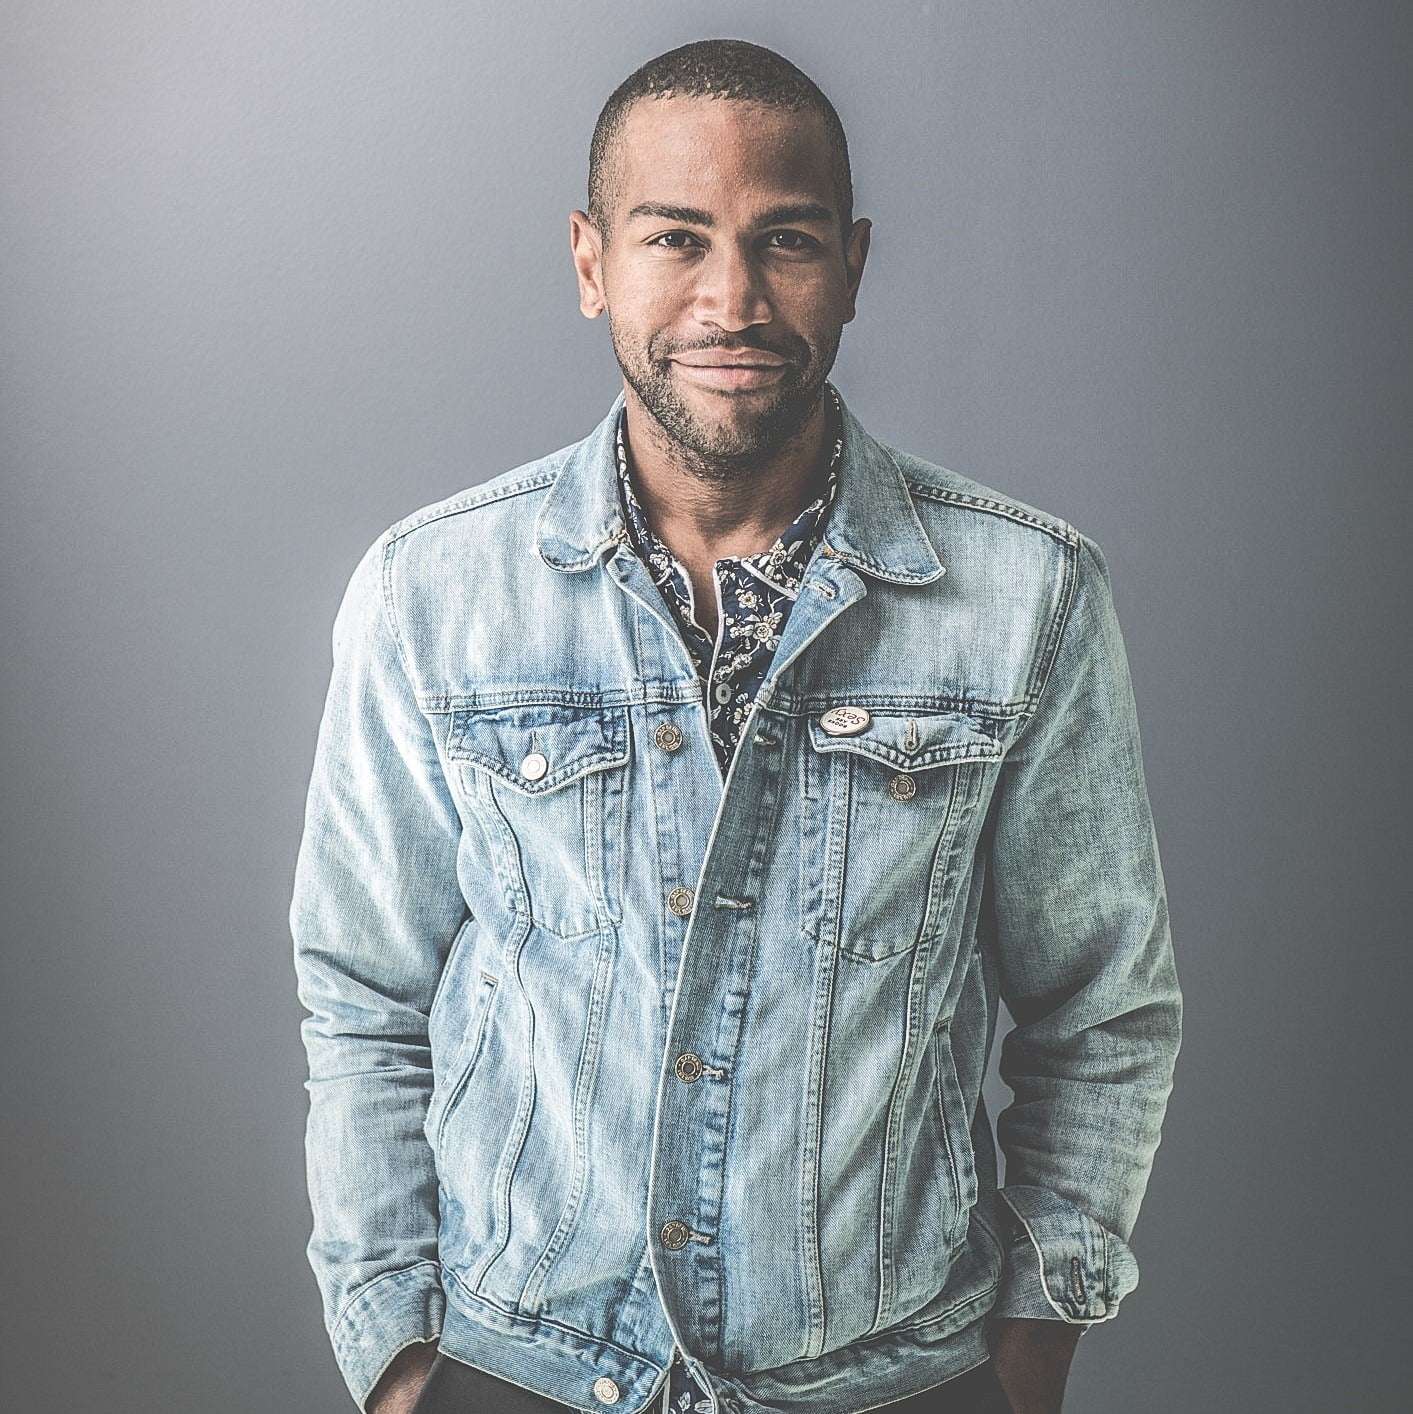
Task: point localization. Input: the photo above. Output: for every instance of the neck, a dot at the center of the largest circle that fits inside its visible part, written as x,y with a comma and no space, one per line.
702,516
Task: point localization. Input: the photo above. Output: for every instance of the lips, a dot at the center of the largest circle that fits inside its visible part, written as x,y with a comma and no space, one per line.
715,368
716,358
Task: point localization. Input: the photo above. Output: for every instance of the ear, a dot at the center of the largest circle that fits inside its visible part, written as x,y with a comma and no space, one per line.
584,241
855,254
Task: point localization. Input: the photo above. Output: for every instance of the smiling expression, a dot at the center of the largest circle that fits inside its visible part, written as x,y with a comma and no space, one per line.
726,274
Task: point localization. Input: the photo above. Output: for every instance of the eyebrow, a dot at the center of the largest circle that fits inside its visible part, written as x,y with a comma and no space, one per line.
796,212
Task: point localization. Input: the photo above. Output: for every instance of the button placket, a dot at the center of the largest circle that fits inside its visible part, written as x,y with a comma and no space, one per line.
675,1235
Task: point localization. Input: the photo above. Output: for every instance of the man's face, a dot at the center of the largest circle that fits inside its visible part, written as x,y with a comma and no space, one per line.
726,276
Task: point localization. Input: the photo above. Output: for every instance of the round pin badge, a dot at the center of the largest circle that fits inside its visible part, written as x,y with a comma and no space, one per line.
844,721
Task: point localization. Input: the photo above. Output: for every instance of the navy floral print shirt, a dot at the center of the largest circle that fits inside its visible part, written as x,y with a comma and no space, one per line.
755,595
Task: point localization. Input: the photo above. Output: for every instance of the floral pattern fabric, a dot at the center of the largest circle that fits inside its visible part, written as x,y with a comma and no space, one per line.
755,594
683,1395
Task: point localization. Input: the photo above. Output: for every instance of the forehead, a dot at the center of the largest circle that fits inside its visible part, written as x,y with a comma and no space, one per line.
720,152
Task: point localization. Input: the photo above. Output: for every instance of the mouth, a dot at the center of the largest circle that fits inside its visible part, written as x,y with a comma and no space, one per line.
709,369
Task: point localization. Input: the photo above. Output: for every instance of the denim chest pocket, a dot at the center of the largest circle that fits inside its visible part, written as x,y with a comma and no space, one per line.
546,782
884,808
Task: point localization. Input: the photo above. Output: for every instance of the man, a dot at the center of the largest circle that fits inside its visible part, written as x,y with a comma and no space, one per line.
684,804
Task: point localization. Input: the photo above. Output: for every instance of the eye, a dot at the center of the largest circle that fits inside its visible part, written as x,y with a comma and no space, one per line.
672,240
791,240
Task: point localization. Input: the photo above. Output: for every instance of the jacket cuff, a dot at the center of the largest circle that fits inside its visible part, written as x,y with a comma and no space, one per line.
1060,1263
383,1317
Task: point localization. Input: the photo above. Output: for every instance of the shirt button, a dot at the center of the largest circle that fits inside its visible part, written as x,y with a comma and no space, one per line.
606,1391
688,1067
680,901
723,692
902,786
844,721
674,1235
534,767
668,736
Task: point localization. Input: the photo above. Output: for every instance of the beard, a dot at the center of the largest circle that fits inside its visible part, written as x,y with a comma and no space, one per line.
744,444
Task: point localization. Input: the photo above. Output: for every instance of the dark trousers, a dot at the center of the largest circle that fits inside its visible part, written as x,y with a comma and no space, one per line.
454,1388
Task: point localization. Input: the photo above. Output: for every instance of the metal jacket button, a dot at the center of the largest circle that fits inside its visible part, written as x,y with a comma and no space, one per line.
680,901
902,786
534,767
844,721
688,1067
674,1235
606,1391
668,737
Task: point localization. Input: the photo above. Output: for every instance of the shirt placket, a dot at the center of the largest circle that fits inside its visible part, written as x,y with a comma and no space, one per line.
777,573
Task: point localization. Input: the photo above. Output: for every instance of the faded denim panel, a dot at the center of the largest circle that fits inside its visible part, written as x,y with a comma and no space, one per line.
376,910
1081,935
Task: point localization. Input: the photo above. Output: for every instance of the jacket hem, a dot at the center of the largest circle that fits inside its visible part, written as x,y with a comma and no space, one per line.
873,1372
548,1359
562,1364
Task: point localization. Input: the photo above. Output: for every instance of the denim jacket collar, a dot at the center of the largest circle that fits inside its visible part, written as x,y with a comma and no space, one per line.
873,526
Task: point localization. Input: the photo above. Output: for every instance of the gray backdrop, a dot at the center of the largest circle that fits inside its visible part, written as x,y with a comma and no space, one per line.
276,272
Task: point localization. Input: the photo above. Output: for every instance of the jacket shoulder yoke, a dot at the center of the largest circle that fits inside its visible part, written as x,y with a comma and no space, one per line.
531,476
936,483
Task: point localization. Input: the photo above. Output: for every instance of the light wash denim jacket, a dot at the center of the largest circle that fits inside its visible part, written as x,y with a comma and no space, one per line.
608,1056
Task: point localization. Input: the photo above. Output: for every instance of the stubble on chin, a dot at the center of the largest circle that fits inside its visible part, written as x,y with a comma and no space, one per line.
722,452
731,450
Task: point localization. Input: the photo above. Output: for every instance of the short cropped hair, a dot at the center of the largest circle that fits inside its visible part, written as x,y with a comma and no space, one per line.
716,68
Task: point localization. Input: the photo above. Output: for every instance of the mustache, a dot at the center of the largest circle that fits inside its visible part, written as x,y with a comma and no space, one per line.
739,343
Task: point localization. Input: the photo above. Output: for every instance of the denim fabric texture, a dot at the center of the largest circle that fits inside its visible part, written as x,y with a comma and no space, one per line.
609,1056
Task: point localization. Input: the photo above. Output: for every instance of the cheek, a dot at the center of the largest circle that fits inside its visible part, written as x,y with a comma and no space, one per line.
645,287
812,299
638,311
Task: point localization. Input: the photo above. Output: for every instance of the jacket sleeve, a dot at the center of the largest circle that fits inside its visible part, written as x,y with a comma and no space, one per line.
1086,970
376,905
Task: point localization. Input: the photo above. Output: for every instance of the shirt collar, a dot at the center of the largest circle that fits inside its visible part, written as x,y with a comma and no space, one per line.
796,542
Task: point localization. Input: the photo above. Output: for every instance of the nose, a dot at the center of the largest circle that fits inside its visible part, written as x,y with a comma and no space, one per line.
730,290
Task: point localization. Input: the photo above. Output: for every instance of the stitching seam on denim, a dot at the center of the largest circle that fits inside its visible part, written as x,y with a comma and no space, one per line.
1059,530
1059,621
470,501
561,1336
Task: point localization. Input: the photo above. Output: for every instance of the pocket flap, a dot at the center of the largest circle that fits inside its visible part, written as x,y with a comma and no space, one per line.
914,741
536,749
